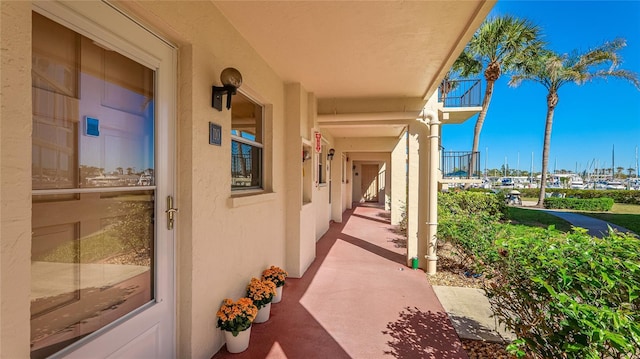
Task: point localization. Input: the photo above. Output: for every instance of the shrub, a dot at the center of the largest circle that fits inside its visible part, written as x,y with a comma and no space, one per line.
569,295
593,204
619,196
468,220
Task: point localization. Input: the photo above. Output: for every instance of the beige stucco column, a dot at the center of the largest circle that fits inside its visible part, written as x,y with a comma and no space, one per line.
417,193
336,186
399,180
386,167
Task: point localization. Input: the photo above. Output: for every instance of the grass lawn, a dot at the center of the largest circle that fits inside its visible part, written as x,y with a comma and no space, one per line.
535,218
625,215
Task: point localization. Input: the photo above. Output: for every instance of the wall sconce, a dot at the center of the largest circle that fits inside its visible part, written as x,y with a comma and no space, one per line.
330,154
305,155
231,79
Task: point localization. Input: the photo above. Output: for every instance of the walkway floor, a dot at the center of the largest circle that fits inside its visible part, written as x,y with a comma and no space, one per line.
595,227
358,299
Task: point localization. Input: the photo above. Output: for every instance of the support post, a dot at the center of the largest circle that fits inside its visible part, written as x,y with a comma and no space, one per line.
431,120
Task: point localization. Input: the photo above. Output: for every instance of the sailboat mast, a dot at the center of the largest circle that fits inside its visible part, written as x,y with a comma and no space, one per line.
636,162
613,161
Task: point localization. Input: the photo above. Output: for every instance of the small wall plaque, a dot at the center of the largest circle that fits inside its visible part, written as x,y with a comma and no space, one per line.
215,134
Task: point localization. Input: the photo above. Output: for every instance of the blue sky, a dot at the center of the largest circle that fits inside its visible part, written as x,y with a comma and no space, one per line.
589,120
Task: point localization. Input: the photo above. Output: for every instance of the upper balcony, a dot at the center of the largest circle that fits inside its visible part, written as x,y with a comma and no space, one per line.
461,99
460,166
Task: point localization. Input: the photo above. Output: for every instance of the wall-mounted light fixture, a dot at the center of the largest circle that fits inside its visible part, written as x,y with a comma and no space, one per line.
330,154
305,155
231,79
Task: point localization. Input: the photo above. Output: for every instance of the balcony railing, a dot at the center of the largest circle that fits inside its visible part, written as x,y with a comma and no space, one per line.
460,93
456,164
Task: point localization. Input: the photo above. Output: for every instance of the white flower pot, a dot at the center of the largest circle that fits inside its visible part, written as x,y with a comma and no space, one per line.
278,297
238,343
263,314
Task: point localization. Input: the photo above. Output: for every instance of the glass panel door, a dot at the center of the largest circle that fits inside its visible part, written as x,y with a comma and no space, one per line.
93,186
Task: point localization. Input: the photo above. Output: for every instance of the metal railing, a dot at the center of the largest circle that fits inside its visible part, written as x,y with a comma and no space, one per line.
460,93
456,164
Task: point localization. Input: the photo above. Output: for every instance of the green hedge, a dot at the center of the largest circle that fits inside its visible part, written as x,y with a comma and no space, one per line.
569,295
593,204
468,221
619,196
565,295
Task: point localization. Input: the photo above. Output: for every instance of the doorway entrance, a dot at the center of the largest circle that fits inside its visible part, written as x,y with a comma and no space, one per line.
102,254
370,185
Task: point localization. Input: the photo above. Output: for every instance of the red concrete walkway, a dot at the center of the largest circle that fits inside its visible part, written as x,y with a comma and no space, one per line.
357,300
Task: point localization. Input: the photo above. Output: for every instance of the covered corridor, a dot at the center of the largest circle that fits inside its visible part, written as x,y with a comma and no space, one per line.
357,300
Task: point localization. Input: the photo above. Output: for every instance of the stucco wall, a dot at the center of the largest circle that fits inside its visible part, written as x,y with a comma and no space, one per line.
222,241
307,238
399,180
301,224
322,210
15,178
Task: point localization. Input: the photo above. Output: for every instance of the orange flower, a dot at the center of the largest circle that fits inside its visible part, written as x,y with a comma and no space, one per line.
275,274
238,316
261,291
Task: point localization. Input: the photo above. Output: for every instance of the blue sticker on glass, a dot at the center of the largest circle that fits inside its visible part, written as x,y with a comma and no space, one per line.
92,126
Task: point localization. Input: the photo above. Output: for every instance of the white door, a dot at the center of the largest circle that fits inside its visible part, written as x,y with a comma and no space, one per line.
103,177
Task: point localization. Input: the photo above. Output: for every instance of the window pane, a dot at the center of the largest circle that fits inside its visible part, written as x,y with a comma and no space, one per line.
91,264
116,143
100,134
93,126
246,149
55,61
246,119
246,164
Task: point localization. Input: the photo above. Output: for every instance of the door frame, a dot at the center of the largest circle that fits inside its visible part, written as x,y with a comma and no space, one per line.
112,28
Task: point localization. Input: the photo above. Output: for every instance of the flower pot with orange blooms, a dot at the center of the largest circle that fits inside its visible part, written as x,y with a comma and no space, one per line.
262,293
278,276
235,319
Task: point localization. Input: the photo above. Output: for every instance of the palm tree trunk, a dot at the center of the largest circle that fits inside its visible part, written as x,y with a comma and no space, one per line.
479,122
552,101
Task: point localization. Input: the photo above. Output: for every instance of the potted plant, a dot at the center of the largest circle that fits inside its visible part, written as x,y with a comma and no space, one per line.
261,293
277,275
235,319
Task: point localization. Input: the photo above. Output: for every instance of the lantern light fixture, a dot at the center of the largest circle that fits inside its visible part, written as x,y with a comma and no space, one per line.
231,80
330,154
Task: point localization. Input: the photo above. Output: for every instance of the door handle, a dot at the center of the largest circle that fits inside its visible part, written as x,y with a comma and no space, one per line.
170,212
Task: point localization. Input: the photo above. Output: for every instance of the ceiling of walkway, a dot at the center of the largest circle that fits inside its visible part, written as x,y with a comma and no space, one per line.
359,49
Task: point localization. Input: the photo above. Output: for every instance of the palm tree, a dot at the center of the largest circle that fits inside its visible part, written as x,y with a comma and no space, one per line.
498,46
553,70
